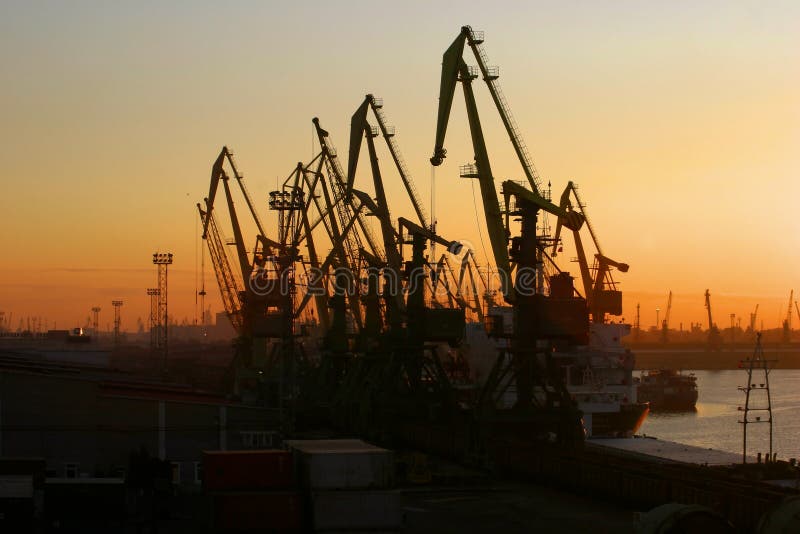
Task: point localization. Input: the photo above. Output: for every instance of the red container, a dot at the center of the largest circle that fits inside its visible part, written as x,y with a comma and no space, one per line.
247,470
262,512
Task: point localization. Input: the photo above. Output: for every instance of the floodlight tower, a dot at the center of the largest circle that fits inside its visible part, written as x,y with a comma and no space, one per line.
155,320
95,320
162,261
117,320
289,204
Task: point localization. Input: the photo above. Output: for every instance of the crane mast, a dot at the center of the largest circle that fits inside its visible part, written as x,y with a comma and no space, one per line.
339,187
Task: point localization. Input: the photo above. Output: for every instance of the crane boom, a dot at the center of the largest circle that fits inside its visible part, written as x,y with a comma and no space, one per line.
450,68
455,70
228,284
665,321
332,257
376,105
571,219
405,175
240,180
360,129
754,316
453,246
353,241
241,251
490,76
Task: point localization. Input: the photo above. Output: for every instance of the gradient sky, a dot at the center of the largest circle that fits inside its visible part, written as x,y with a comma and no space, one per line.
680,121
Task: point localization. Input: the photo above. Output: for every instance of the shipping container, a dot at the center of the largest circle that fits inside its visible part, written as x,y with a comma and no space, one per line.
33,467
247,470
356,510
275,511
16,486
342,464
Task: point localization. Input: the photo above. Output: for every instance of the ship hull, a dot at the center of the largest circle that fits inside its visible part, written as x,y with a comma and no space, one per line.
622,423
668,390
665,402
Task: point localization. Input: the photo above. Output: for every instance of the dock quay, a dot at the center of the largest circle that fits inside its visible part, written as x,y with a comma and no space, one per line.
644,473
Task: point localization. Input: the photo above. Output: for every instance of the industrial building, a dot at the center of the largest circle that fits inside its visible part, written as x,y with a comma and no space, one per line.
85,421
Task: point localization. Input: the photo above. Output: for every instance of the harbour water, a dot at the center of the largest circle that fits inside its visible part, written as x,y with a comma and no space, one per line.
715,422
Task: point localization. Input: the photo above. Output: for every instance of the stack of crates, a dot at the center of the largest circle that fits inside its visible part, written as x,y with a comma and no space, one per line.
252,491
347,485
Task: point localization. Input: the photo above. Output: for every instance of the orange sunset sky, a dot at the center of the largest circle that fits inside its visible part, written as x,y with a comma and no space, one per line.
680,121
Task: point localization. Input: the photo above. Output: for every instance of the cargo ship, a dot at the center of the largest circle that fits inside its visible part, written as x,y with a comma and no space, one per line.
667,389
598,375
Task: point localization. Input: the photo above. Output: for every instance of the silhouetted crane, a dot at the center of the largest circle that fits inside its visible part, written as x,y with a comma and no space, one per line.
665,322
714,337
753,317
787,323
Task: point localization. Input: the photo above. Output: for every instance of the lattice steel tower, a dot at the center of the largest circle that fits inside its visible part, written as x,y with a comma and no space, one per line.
289,205
757,397
155,320
117,319
95,321
162,261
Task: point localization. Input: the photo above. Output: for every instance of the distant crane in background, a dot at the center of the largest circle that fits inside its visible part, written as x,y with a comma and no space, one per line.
787,323
753,317
714,337
665,322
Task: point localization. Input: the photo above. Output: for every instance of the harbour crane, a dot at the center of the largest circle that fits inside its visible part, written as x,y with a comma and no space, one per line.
241,304
361,129
599,287
451,68
787,322
533,323
753,317
254,314
665,321
714,336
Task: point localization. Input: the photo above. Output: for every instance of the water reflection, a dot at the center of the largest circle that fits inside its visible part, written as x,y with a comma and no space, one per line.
715,423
